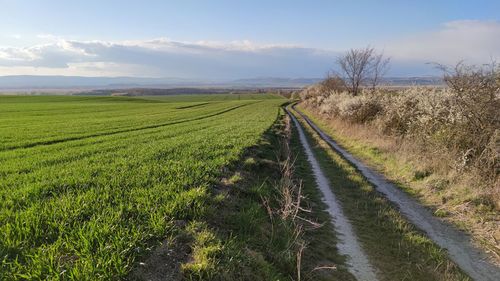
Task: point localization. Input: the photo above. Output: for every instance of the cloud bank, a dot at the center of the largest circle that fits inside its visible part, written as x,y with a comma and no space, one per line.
163,58
473,41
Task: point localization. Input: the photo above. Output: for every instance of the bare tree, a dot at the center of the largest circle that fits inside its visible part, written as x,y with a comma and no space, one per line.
355,67
379,67
361,67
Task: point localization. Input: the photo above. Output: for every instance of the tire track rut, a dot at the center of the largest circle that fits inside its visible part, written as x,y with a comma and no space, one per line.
458,244
55,141
358,263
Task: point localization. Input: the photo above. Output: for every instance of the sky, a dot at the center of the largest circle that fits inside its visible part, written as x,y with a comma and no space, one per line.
222,39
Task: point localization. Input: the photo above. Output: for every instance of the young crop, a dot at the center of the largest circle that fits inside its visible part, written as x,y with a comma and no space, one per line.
86,184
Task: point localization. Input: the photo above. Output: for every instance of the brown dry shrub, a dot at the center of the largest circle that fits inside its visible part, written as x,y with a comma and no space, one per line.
462,120
333,83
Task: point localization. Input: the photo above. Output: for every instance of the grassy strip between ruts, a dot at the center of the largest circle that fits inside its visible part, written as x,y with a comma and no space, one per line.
242,241
395,247
451,197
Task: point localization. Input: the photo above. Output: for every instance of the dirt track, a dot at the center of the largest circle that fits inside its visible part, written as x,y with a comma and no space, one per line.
458,244
357,261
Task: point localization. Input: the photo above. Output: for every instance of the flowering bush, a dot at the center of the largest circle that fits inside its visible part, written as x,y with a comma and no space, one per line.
462,118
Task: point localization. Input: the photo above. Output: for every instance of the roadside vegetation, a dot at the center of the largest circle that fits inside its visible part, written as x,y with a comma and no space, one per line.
441,144
396,248
158,188
269,224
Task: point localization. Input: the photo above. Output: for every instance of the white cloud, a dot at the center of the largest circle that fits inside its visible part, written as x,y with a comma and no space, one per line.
164,57
474,41
470,40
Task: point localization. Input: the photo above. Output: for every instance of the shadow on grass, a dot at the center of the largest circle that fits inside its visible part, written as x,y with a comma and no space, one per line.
236,239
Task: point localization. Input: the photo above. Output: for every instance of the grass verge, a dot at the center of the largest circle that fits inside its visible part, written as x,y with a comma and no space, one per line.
449,195
246,237
395,247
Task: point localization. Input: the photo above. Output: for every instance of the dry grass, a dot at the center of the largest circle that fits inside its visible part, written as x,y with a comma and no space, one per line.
442,143
289,210
452,130
394,246
452,195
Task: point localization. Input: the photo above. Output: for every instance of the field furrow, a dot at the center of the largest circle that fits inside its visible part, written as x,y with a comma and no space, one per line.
84,194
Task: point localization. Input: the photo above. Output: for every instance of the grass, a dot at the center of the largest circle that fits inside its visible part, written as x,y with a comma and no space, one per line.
394,246
246,244
322,248
113,187
451,196
373,150
213,97
89,184
137,188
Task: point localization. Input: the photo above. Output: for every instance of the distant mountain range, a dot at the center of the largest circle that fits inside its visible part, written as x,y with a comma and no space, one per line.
34,83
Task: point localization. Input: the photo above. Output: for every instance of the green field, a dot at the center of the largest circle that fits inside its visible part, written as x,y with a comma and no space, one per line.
87,183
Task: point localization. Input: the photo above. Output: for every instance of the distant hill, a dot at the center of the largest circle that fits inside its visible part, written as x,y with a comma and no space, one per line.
42,82
410,81
276,82
39,83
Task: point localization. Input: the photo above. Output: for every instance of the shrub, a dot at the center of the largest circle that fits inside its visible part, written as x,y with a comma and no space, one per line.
476,93
359,109
333,83
462,119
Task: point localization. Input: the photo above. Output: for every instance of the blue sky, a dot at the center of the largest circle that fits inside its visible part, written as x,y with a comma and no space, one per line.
195,39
